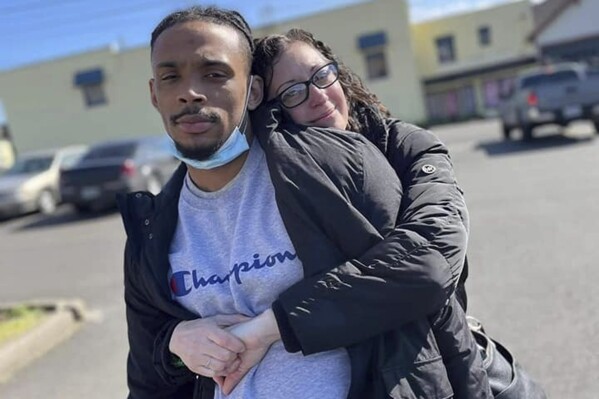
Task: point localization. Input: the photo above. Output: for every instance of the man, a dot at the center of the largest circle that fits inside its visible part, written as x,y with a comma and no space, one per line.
236,264
201,86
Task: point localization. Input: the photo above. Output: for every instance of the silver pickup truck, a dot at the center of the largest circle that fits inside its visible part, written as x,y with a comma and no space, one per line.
555,94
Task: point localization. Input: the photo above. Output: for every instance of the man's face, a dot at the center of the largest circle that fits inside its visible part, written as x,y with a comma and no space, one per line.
199,84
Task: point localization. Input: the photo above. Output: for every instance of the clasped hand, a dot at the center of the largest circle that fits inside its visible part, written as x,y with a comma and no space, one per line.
224,347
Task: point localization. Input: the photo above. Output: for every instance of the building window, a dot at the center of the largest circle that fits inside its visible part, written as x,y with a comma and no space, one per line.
376,65
94,95
91,84
445,49
451,105
373,47
494,91
484,36
491,92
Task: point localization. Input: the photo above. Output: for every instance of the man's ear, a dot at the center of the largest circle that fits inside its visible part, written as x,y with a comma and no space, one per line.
153,93
256,93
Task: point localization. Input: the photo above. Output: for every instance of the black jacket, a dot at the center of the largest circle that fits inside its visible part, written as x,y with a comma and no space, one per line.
424,252
386,360
420,259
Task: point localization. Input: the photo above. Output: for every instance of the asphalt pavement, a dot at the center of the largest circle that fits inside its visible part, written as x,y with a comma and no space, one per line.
534,209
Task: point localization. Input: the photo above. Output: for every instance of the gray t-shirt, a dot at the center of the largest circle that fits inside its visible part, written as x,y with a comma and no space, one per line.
232,254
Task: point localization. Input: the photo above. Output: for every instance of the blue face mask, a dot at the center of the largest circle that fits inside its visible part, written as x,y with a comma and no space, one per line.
231,149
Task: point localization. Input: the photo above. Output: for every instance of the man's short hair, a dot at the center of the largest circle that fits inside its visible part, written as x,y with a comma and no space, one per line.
211,14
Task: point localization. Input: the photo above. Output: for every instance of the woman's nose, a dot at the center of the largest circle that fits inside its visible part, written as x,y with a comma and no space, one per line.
317,96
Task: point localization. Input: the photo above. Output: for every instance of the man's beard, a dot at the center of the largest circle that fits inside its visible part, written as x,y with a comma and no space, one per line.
199,153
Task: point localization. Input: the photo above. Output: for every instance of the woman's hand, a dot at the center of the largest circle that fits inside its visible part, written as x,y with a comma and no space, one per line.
206,347
257,334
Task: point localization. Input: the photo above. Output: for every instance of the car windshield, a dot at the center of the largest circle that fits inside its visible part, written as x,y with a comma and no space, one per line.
30,165
549,78
121,150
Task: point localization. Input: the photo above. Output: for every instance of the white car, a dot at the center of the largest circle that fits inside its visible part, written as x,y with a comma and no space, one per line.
32,183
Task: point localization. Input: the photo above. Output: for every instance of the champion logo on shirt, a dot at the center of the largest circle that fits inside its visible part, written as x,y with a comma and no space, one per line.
182,282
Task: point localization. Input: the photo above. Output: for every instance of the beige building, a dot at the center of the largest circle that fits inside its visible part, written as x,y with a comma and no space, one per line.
104,94
467,60
373,39
80,99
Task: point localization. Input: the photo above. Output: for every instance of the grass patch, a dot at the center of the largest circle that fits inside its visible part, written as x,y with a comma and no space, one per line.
17,321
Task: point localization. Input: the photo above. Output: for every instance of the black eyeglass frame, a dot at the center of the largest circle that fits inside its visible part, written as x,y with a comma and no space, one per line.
307,84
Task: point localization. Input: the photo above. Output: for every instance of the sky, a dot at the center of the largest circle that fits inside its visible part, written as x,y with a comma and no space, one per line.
34,31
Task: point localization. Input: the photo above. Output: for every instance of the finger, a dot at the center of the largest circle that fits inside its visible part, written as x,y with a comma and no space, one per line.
215,365
203,371
226,340
227,370
231,382
220,380
215,351
226,320
233,367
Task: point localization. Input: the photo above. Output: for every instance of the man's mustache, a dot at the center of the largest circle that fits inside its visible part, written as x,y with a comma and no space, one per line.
196,111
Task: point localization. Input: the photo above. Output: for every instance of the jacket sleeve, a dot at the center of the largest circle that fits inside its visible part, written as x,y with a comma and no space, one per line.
408,275
433,202
149,374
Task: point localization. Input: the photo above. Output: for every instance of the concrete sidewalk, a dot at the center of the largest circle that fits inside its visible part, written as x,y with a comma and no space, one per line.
64,318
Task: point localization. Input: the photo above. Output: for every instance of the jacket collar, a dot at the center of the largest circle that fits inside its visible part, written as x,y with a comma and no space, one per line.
150,222
374,127
164,221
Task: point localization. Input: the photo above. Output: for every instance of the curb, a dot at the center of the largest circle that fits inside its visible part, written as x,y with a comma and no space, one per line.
66,317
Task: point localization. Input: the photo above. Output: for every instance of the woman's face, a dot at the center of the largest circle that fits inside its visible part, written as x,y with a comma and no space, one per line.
324,107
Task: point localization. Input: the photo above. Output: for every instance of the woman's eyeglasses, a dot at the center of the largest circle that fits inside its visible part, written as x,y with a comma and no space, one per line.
298,93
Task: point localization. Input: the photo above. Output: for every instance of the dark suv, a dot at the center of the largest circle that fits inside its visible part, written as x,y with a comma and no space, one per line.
115,167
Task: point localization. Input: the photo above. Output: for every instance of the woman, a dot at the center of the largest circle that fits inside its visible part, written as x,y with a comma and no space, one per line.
306,80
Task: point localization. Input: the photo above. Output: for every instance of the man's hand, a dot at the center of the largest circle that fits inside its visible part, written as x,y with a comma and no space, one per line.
206,347
258,334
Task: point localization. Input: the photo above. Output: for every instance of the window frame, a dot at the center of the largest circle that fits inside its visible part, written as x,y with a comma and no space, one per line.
484,36
442,42
371,57
94,95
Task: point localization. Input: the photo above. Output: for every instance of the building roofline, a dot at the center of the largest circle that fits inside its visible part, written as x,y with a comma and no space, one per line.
459,14
546,20
481,70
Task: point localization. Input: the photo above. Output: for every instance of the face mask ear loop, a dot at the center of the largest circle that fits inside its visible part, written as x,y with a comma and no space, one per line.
244,117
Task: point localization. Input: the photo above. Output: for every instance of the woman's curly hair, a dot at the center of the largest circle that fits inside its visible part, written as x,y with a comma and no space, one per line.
269,48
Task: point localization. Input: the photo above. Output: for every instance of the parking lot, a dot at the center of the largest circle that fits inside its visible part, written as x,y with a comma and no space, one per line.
534,210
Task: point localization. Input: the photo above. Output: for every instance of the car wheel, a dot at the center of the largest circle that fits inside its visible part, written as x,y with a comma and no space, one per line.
80,208
506,131
46,203
153,185
596,124
526,132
